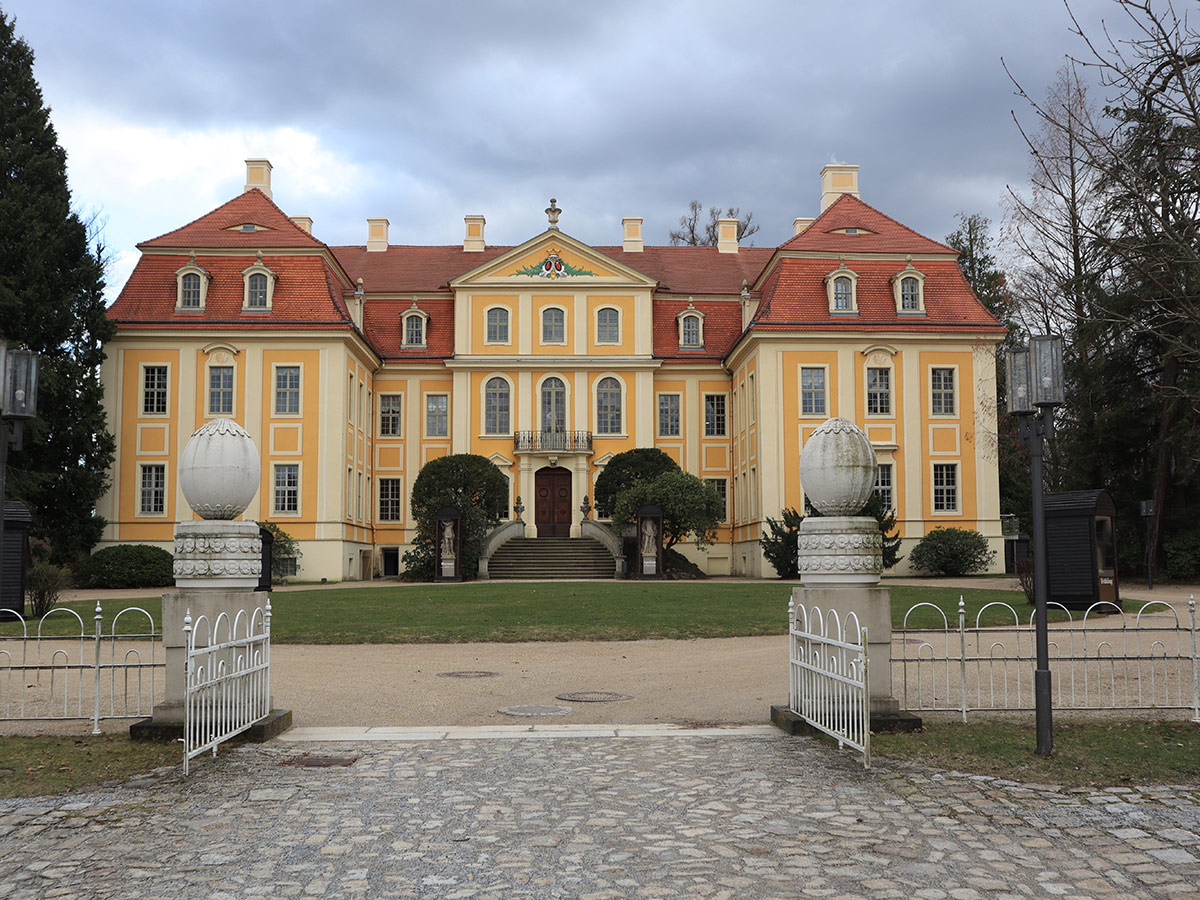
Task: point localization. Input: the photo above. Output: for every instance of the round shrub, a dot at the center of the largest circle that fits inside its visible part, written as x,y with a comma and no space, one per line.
127,566
951,551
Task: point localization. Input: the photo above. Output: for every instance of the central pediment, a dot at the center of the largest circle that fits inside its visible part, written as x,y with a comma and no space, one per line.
553,259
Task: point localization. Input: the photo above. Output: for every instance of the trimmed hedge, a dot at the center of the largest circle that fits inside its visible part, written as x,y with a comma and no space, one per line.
127,566
951,551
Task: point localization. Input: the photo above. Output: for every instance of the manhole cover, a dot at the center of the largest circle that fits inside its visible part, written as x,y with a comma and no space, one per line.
323,762
469,673
536,710
593,697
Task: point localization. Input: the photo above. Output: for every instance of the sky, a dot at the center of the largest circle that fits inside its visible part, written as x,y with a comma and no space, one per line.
427,112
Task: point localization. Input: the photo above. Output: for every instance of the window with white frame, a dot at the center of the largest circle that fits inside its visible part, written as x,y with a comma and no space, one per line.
391,419
287,390
153,496
154,391
668,415
497,325
554,404
256,291
945,487
220,390
908,289
714,415
883,486
910,294
608,406
391,499
496,407
286,497
812,390
841,287
258,284
689,331
414,326
437,415
554,329
191,286
879,391
941,391
720,485
608,326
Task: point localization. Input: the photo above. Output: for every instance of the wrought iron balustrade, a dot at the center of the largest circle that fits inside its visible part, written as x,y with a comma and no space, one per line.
555,441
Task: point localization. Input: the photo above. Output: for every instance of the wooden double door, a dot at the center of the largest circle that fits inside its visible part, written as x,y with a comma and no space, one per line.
552,502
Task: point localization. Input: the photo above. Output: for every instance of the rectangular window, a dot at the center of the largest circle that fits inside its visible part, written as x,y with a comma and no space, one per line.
220,391
390,408
153,500
945,487
883,485
750,394
287,489
879,392
668,415
289,567
812,391
497,326
154,390
941,383
714,415
553,326
287,390
359,498
391,499
721,487
437,408
414,331
608,326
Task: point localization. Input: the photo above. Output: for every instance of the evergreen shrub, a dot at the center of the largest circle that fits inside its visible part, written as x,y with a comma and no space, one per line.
1183,556
951,551
127,566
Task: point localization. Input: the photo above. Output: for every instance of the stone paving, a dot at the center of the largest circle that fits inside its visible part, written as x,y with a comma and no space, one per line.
711,815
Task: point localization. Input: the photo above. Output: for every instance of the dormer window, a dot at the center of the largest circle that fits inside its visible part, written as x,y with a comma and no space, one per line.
191,286
691,327
908,289
841,285
413,326
258,286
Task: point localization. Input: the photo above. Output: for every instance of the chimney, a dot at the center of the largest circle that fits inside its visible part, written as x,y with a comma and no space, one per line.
837,179
727,235
377,235
801,223
258,175
632,228
473,242
304,223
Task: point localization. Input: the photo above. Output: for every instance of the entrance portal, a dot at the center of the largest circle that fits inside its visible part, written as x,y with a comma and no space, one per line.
552,502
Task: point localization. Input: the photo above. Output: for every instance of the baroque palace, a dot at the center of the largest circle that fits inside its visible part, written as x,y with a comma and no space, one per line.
352,367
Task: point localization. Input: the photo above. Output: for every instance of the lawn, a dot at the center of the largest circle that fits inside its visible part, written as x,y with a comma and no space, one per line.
35,766
546,611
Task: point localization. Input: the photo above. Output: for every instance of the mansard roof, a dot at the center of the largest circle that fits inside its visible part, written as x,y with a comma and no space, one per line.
222,228
877,233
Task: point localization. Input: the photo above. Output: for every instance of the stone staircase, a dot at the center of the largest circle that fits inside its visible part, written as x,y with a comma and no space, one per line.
551,558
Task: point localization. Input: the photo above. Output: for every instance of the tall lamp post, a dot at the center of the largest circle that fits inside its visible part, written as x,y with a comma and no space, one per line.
1035,383
18,401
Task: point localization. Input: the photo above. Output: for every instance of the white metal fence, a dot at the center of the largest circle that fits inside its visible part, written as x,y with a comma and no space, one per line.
65,672
1103,659
829,677
228,678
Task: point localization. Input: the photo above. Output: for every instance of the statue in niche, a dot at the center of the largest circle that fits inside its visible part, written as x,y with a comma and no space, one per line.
649,538
448,539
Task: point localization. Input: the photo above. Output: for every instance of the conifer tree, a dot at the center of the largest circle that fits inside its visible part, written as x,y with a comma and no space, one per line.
51,301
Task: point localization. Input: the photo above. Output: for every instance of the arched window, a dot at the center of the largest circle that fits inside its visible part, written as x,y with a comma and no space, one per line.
497,325
189,295
691,331
414,331
256,297
910,294
608,406
608,326
495,407
843,293
553,326
554,405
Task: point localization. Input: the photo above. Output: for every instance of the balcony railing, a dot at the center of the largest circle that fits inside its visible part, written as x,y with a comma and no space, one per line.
553,441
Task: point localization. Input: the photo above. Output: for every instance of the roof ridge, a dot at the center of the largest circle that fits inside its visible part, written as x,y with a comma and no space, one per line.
852,200
230,202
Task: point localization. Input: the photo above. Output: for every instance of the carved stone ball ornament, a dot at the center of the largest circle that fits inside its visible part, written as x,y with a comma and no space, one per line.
837,468
219,470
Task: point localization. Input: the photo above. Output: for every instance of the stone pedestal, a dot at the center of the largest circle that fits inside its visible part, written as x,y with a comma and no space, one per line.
649,565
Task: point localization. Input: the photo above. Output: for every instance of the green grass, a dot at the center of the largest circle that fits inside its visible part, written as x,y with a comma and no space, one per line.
1085,754
546,611
38,766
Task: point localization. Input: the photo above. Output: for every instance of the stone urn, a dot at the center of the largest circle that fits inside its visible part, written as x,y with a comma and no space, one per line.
219,470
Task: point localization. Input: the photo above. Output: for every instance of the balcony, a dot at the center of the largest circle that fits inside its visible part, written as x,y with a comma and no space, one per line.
552,441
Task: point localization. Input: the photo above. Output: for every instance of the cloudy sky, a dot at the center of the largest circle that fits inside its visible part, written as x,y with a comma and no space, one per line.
426,112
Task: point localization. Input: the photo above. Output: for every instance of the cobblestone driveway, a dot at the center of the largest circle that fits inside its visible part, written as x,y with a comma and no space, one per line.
593,818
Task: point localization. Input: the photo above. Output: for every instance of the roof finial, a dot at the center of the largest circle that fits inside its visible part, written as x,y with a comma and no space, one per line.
552,213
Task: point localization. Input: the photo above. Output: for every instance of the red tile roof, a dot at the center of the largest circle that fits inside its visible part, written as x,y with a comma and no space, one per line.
887,235
722,328
211,230
385,329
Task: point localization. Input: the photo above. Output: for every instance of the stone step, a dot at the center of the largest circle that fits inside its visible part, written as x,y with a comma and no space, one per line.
548,558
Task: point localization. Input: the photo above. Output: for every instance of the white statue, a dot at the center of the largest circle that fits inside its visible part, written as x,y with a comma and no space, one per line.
448,539
649,538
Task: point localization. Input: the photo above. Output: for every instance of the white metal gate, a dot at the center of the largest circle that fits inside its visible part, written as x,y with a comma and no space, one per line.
228,678
63,672
829,678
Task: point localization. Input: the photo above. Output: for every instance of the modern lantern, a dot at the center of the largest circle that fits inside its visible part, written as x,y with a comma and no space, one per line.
1036,383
